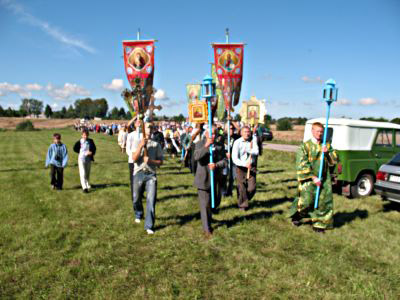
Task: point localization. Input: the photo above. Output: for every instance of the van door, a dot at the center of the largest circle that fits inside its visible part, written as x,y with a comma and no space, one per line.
383,148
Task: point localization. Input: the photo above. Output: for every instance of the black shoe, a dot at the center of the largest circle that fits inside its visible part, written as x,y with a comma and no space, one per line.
319,230
215,211
86,191
296,223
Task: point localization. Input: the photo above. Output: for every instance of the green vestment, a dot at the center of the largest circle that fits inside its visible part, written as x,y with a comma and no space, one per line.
308,160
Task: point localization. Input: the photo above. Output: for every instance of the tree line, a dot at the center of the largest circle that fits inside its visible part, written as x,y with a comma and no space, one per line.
82,108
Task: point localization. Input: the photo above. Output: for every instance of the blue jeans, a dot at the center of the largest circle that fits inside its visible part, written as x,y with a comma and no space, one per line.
145,182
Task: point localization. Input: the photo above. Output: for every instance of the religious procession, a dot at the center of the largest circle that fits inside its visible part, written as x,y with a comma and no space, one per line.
221,153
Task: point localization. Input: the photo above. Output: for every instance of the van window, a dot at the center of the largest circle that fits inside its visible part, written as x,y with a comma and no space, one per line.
395,160
329,135
384,138
398,138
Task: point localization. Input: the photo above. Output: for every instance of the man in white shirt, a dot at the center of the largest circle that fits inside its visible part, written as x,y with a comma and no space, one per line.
244,156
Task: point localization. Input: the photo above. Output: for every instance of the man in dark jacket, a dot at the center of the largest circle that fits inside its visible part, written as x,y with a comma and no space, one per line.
202,178
86,149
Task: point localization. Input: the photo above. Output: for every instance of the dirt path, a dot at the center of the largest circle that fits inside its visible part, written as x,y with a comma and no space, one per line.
281,147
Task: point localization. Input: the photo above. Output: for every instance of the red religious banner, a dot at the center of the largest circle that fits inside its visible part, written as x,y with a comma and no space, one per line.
139,64
229,69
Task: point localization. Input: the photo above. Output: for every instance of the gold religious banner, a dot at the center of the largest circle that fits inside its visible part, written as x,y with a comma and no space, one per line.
253,111
198,112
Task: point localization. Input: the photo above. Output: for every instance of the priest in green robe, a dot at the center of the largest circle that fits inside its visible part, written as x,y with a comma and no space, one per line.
308,161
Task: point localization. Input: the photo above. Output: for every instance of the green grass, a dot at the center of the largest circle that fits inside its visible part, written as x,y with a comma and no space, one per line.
66,244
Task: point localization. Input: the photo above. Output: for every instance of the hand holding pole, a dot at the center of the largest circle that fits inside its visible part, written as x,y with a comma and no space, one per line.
329,96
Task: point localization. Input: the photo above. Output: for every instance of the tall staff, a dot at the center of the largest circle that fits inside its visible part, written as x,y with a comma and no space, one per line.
228,113
139,68
208,92
228,61
329,96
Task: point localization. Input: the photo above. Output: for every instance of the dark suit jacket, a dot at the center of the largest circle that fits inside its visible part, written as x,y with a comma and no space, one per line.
202,158
92,148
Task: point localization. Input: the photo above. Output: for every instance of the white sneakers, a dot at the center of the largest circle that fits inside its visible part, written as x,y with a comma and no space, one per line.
149,231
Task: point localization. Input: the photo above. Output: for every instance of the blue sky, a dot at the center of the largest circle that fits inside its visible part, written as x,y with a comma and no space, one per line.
61,51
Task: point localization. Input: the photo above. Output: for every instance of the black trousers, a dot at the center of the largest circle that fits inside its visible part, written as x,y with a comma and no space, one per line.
205,205
246,187
56,176
131,168
192,160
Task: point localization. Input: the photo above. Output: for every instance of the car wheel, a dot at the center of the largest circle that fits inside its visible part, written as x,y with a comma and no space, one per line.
363,187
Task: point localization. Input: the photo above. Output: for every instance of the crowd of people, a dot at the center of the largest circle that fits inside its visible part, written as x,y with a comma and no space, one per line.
236,161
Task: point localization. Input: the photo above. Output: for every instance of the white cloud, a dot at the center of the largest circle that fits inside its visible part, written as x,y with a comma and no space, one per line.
33,87
115,85
368,101
52,31
307,79
161,95
54,106
343,102
6,88
68,90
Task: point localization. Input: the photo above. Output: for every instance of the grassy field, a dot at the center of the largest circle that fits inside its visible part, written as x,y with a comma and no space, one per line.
66,244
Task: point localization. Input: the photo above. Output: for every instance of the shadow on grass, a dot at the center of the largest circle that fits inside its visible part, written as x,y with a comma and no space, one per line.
269,203
391,206
255,216
287,180
108,185
166,168
270,171
180,186
175,173
22,169
343,218
176,196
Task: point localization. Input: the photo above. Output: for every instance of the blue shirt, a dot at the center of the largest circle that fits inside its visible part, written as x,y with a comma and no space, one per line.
57,155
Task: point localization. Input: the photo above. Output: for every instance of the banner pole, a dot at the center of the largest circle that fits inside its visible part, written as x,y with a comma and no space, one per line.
211,151
229,114
321,166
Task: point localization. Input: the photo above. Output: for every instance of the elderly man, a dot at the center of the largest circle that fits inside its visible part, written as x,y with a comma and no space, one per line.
147,156
202,178
244,156
307,164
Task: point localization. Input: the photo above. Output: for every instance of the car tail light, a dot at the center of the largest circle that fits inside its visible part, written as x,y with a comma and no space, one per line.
339,168
381,176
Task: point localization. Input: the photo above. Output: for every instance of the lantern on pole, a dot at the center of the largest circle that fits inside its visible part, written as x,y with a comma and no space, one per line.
329,95
208,93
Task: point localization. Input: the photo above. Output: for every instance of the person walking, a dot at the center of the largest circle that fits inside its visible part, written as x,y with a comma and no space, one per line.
308,161
147,156
86,150
202,179
122,136
244,156
57,159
